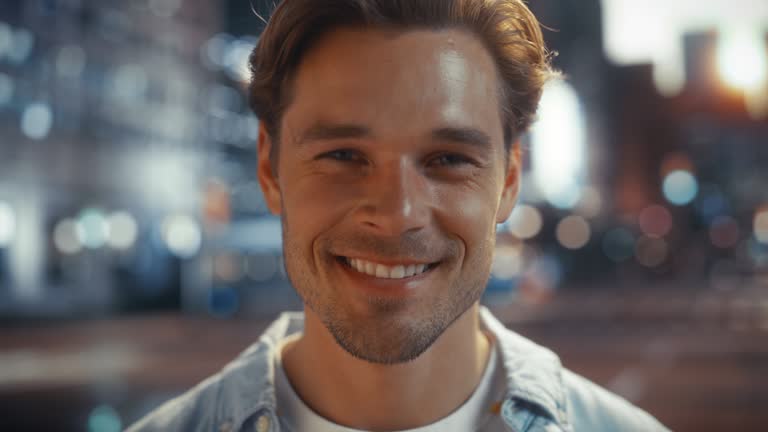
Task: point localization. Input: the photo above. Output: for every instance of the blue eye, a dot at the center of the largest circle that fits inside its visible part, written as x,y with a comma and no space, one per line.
451,159
341,155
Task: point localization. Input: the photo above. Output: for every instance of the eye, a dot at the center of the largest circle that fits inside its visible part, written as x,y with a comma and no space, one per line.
450,159
342,155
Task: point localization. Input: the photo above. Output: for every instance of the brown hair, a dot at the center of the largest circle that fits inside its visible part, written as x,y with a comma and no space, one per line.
507,28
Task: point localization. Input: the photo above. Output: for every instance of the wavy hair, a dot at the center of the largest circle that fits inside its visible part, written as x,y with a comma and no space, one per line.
507,28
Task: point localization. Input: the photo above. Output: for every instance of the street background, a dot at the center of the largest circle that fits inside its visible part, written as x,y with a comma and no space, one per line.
137,256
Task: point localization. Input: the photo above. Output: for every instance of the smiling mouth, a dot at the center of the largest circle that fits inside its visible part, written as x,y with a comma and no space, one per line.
382,271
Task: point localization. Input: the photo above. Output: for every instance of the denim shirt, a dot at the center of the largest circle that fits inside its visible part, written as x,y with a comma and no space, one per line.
541,395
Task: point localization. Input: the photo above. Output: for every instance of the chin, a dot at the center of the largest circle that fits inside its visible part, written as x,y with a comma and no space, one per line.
390,338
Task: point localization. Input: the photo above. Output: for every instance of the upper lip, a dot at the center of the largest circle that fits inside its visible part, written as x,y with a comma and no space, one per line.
389,262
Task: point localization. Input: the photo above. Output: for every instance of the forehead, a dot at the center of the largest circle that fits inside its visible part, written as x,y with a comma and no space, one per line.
396,82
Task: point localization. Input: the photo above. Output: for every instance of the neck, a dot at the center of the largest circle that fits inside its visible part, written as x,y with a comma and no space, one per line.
340,387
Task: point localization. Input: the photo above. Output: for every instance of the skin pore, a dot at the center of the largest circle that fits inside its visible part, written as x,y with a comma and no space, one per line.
391,152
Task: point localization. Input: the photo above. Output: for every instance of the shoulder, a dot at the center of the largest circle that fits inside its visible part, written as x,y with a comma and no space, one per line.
192,411
536,377
229,397
235,394
592,408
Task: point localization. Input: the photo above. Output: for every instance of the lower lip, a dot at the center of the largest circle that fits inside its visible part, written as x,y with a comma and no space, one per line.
386,287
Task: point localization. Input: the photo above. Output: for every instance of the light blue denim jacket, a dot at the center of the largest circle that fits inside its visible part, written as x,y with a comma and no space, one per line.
542,396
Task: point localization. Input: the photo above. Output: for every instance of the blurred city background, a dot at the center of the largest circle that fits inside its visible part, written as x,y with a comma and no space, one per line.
137,256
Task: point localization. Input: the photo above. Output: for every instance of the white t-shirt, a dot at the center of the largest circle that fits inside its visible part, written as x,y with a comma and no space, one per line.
480,410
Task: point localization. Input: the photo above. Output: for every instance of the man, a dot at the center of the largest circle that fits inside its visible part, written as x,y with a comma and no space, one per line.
389,147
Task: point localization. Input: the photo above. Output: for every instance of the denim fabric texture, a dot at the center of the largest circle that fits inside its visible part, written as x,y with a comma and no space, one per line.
542,396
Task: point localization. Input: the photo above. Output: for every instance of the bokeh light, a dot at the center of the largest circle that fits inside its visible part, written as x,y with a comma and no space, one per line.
619,244
653,32
525,222
167,178
7,224
138,115
70,61
227,267
36,120
559,146
21,46
507,261
591,203
680,187
182,235
123,230
741,58
215,49
92,228
573,232
655,221
65,237
104,418
761,225
651,252
236,59
223,302
129,83
724,232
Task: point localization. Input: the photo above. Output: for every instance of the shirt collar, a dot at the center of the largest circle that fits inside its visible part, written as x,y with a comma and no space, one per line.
533,373
247,384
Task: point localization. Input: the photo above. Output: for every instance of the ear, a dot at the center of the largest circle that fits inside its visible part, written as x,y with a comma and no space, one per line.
511,190
268,180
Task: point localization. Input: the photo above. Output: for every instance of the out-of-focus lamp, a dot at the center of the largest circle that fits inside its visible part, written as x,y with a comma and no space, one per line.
7,224
559,146
741,59
743,65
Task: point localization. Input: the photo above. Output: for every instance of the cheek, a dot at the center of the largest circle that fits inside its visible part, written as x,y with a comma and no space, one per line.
321,196
470,215
312,206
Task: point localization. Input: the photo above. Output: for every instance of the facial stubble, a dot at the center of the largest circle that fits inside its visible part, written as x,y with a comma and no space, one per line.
388,331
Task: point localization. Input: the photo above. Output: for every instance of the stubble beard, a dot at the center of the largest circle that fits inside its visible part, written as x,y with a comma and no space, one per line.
390,332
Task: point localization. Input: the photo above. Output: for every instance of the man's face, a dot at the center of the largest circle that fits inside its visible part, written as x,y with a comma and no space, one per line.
390,180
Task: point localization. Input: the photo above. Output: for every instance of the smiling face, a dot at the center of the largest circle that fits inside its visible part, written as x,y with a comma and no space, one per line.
390,180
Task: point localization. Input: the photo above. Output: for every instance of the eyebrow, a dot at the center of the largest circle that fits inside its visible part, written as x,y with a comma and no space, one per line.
331,131
326,132
460,135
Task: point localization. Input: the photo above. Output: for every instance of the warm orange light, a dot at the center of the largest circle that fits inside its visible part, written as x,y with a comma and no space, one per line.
741,60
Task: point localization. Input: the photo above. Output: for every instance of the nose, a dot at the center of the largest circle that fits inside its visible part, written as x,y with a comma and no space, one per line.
396,199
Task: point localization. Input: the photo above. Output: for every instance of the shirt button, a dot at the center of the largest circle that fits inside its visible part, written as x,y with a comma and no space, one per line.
225,427
262,425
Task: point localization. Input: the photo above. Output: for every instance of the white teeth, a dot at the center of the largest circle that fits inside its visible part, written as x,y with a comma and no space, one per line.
382,271
386,272
397,272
